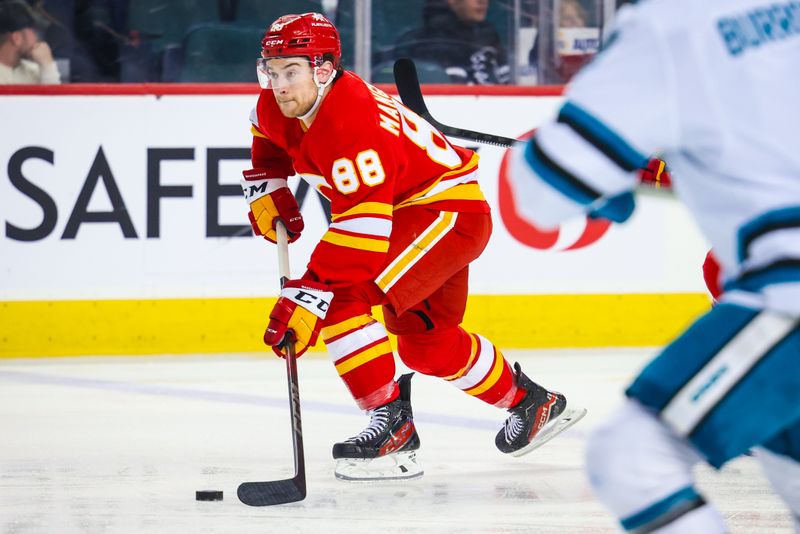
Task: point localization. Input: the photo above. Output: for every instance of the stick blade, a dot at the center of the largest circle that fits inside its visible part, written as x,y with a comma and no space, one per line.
273,492
407,82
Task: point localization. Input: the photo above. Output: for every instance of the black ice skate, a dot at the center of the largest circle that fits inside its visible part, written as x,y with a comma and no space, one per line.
539,417
387,448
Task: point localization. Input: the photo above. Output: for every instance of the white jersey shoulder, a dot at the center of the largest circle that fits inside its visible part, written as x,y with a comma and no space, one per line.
711,86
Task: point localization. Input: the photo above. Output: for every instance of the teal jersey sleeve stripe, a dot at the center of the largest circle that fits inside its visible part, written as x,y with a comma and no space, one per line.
602,137
557,177
785,271
618,208
780,219
664,511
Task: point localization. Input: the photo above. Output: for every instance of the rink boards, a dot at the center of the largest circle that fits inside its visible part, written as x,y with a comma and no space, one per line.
119,207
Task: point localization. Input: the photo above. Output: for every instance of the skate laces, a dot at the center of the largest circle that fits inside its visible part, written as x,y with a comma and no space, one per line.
379,418
513,426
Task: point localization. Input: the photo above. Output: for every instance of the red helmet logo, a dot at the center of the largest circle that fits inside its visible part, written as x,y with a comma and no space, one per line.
309,34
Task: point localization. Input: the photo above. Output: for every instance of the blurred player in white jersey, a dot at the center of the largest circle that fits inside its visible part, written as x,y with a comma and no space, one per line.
713,87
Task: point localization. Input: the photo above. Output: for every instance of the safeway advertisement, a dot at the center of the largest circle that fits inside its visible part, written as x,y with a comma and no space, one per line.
137,196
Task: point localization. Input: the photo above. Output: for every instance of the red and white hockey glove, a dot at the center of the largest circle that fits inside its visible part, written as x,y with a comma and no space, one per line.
270,199
656,174
301,308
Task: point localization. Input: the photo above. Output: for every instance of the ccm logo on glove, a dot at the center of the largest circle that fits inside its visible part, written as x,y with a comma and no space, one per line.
300,309
271,200
308,298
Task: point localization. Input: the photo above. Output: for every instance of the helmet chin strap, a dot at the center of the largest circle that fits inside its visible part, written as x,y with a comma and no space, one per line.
320,89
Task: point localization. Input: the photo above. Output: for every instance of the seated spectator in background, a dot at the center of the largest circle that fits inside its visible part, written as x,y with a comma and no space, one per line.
571,14
575,42
24,59
457,36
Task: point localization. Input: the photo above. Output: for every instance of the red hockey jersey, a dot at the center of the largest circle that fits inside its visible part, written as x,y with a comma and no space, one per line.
369,155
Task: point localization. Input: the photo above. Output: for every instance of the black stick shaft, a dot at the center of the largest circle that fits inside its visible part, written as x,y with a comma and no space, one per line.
293,489
407,81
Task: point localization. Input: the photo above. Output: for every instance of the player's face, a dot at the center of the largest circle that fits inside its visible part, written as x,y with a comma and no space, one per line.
570,16
292,82
25,40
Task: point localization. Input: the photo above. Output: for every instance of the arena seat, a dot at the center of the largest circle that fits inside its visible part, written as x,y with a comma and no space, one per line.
261,12
427,72
161,23
218,53
389,20
392,19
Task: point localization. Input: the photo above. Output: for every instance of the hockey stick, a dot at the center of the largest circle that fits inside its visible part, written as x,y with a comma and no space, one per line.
407,82
290,489
405,77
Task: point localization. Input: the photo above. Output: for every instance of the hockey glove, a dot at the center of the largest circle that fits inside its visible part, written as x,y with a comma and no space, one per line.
656,174
300,309
270,199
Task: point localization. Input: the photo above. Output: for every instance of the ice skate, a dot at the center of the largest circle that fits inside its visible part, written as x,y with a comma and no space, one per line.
387,448
538,418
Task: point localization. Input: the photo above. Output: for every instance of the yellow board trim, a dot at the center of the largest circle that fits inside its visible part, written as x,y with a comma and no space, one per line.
231,325
367,356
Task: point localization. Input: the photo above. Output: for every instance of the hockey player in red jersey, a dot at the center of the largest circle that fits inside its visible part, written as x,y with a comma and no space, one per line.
408,217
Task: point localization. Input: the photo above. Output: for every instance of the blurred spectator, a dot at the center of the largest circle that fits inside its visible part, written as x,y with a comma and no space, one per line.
575,41
24,59
571,14
457,36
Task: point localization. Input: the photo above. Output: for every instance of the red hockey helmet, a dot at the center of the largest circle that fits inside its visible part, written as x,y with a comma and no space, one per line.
309,34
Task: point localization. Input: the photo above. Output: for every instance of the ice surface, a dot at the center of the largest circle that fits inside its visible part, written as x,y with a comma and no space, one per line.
110,445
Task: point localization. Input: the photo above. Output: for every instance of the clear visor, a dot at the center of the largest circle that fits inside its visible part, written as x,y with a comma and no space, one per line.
280,73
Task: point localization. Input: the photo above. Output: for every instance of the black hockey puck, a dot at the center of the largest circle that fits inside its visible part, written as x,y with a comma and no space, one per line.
208,495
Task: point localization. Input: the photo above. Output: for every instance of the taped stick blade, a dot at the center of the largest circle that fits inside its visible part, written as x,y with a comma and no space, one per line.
273,492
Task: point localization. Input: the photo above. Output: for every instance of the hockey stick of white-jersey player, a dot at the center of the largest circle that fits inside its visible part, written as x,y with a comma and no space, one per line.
290,489
407,82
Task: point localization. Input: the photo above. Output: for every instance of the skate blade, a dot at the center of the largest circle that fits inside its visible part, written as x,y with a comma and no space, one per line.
569,417
395,466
